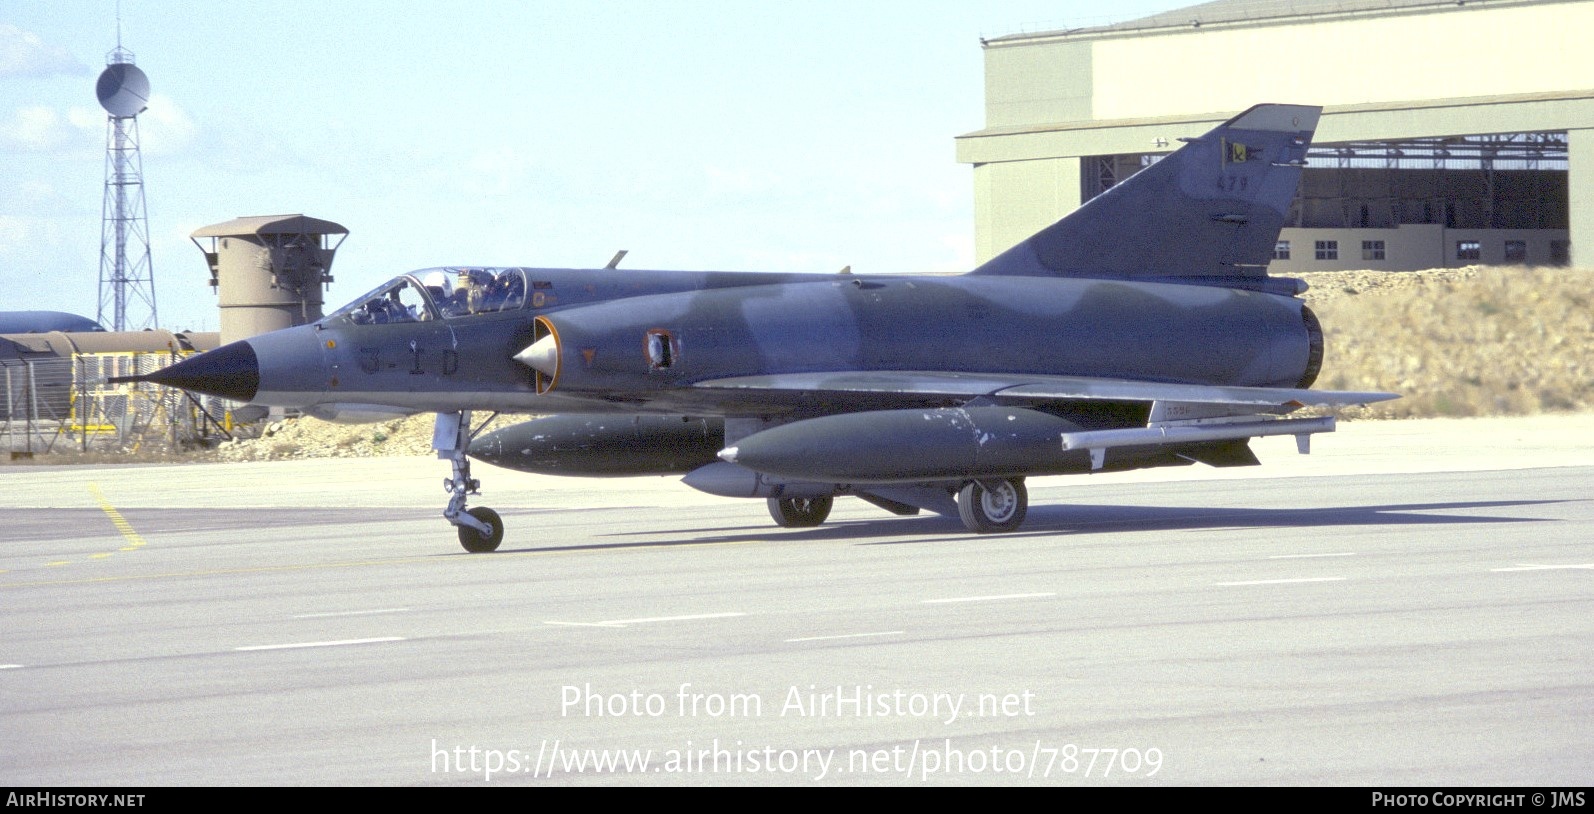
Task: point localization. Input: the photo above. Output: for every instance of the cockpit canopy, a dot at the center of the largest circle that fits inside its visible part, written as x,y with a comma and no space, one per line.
443,293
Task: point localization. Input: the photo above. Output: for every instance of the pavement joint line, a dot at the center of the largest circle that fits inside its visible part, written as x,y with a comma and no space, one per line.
1282,581
1310,556
993,598
263,569
333,614
302,645
653,619
1532,567
847,636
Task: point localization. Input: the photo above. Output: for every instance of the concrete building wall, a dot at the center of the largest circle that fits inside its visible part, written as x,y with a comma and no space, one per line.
1047,84
1580,195
1031,193
1431,70
1438,52
1420,246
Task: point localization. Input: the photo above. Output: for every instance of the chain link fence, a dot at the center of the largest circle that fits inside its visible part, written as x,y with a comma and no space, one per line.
59,404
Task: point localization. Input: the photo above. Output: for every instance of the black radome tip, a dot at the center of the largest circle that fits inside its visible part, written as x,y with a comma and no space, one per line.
231,372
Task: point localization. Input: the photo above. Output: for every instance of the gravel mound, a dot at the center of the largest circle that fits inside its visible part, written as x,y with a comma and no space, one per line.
1477,341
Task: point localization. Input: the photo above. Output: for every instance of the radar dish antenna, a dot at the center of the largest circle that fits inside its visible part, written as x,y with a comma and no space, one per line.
123,89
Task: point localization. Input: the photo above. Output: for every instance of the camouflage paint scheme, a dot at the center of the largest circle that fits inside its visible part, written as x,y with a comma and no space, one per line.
1140,330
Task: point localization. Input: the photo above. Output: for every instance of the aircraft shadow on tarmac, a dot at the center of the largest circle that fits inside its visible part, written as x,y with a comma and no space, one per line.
1084,519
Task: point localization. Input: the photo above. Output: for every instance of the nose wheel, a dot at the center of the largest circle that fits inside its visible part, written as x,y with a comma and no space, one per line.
476,541
480,529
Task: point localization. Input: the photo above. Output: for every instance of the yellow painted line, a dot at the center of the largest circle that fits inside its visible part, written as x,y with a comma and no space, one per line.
134,541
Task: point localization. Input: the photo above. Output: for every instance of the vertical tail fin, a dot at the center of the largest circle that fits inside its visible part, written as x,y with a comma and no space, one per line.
1208,211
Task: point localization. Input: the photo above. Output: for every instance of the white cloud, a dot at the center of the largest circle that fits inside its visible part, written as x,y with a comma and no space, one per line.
24,241
86,118
24,53
41,129
164,128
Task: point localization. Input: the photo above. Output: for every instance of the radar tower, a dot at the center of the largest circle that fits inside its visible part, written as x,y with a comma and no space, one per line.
127,280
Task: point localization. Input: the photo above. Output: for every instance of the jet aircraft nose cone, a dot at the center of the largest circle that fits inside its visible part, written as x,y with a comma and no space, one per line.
542,356
231,372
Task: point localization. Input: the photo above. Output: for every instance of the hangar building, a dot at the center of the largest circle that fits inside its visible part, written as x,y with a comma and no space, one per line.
1453,133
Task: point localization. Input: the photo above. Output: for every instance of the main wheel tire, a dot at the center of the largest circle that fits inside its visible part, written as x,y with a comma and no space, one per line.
799,512
474,541
996,509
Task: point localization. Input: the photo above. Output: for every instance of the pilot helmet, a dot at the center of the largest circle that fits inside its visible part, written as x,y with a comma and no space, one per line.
438,280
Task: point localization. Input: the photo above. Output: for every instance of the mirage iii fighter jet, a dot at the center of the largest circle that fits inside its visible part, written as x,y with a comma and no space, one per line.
1141,330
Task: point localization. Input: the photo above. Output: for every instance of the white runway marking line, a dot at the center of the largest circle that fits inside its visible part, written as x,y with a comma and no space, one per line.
848,636
1282,581
994,598
647,621
10,666
1309,556
1531,567
299,645
332,614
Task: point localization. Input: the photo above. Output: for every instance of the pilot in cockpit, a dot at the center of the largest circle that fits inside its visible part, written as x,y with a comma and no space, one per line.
505,292
473,287
439,286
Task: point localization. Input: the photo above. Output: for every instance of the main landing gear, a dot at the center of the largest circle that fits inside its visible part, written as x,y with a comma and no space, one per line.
480,529
989,506
985,506
799,512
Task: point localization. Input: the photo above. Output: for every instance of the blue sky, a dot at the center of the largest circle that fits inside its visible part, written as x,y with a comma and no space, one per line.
798,136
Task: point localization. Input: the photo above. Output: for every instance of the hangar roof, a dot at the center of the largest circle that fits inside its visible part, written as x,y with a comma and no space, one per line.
1252,11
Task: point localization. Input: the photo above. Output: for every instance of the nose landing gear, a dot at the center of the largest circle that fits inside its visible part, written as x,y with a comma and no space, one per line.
480,529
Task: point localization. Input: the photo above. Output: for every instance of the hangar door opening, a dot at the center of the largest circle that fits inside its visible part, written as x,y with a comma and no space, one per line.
1443,201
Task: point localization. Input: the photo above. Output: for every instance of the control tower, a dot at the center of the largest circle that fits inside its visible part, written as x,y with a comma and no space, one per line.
270,271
